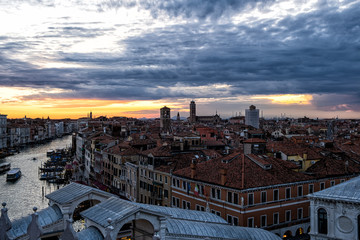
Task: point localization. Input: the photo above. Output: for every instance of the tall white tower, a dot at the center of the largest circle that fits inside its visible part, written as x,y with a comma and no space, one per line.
252,116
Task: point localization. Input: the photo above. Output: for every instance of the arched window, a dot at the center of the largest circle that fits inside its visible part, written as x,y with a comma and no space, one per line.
322,221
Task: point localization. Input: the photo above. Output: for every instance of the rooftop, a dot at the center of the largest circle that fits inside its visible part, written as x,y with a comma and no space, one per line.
348,191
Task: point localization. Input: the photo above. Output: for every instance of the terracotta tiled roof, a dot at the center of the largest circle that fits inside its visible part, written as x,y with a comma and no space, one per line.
162,151
213,143
293,149
130,152
181,161
142,142
255,140
332,166
236,164
211,153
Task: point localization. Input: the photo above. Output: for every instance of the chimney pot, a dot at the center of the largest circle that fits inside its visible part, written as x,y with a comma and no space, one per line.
223,173
193,169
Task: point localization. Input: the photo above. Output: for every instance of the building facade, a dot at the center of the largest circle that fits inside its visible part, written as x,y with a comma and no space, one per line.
252,116
3,134
335,212
250,191
192,118
165,119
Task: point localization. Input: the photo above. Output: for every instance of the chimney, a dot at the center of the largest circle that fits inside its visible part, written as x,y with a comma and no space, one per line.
193,169
346,166
223,173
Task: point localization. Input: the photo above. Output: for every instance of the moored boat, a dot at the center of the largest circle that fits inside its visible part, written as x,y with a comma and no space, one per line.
47,176
50,152
13,175
4,167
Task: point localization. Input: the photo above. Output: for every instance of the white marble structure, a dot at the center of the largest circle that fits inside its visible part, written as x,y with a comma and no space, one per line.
335,212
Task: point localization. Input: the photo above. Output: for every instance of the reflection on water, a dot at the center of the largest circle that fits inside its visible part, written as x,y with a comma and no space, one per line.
27,192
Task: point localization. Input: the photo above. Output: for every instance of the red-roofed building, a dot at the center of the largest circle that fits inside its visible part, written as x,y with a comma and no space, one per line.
249,190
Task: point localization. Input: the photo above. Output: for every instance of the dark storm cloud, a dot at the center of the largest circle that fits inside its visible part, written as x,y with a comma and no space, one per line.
200,9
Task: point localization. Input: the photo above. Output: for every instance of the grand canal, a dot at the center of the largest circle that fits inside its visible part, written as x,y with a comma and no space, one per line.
28,192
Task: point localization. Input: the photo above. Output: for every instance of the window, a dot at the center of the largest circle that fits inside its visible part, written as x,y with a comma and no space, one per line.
288,216
251,199
184,185
311,188
165,179
288,193
200,208
263,197
213,193
250,222
299,213
263,221
276,218
322,221
322,186
235,221
229,219
276,194
332,183
229,198
166,193
300,191
236,198
160,178
185,204
218,193
232,220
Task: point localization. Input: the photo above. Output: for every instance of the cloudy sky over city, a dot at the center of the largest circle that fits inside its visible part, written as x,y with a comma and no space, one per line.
65,58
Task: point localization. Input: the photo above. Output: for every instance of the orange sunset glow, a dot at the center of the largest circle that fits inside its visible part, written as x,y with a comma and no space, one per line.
77,108
287,98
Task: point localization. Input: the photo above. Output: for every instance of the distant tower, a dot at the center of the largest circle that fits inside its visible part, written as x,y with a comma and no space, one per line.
192,112
330,131
178,117
90,115
252,116
165,119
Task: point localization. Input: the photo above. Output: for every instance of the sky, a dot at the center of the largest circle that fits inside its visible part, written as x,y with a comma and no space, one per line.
65,58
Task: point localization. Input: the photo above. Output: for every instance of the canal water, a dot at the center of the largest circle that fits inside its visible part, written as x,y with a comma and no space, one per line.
28,192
